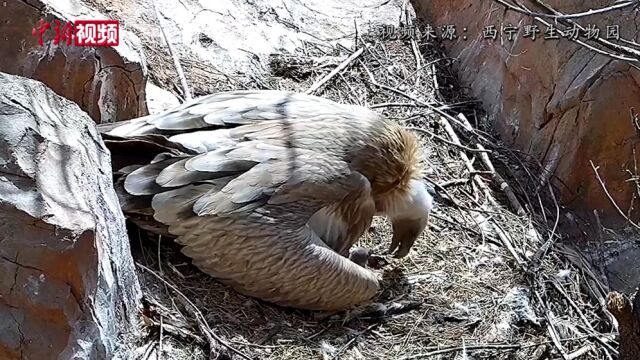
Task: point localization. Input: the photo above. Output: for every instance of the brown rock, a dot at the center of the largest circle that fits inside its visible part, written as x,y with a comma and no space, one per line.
554,99
67,282
108,83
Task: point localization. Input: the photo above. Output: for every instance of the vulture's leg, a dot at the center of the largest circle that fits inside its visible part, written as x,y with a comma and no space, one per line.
360,256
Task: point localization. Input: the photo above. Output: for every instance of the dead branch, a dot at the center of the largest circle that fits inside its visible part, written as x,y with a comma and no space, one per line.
497,178
632,57
599,40
461,348
335,71
213,339
613,202
586,349
619,6
440,138
542,251
174,55
454,182
485,190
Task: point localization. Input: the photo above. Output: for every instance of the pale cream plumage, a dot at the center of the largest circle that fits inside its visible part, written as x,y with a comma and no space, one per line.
268,190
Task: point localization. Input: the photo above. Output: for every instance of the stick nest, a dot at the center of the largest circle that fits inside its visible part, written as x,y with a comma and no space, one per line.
481,283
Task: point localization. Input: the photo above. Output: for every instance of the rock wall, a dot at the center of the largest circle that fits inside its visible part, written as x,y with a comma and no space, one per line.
108,83
556,100
68,287
227,44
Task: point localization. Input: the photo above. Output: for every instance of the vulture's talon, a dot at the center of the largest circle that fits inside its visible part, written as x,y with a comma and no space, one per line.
360,256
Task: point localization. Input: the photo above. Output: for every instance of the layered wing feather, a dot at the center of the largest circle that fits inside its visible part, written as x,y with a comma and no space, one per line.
258,166
228,109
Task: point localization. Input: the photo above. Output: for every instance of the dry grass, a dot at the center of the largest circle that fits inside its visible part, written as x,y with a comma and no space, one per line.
477,300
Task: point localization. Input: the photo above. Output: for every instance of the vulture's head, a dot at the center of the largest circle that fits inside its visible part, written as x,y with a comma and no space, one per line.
409,217
408,210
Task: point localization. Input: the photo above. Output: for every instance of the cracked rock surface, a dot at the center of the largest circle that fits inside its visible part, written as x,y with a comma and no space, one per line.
68,287
229,43
554,99
107,82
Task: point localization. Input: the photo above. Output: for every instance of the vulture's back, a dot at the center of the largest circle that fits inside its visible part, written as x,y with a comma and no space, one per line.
236,176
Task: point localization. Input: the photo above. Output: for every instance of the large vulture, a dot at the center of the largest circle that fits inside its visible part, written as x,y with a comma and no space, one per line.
268,190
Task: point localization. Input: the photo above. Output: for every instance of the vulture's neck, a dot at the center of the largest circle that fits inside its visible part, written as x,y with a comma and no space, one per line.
390,160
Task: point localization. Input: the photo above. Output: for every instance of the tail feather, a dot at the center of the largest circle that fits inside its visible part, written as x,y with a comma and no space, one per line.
142,181
176,206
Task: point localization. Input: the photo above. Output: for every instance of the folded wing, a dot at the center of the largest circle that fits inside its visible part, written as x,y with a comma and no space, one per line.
239,187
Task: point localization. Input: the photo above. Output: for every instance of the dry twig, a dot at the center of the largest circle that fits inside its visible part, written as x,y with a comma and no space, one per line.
334,72
174,55
620,5
613,202
213,339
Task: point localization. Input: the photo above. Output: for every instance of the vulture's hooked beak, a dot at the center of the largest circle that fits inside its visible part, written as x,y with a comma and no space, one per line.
405,233
409,218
